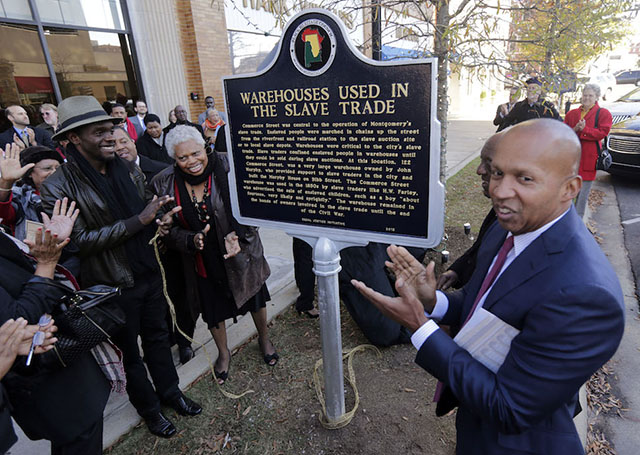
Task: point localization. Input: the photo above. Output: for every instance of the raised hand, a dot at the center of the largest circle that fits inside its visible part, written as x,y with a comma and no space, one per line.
199,238
231,244
411,273
10,167
46,250
148,214
62,218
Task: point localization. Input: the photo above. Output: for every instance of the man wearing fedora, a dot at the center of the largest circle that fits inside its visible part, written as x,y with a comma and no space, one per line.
112,233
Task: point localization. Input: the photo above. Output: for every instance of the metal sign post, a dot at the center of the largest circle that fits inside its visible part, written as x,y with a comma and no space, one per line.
326,266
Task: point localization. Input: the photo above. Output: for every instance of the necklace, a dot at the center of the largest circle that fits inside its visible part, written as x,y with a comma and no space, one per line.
201,207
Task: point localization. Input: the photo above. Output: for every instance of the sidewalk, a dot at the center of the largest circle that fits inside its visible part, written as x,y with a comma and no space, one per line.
620,430
465,139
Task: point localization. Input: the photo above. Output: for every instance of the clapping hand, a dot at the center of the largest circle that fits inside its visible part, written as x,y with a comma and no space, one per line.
32,137
18,142
62,218
47,248
415,285
198,239
231,244
165,223
10,167
446,280
148,214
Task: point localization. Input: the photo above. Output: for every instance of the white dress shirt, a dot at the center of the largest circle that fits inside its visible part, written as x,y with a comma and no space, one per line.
520,243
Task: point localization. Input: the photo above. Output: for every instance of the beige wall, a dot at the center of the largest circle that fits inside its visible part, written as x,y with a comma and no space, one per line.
155,31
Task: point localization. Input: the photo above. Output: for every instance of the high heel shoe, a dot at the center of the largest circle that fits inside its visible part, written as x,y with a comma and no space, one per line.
268,358
222,376
309,314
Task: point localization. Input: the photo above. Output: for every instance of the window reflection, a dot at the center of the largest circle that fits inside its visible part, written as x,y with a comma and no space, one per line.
249,50
92,63
24,78
86,13
15,9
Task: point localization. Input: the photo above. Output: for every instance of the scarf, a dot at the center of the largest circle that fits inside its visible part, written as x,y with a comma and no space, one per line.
121,196
212,126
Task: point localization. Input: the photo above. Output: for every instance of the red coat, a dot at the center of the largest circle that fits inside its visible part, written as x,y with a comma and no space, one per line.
590,136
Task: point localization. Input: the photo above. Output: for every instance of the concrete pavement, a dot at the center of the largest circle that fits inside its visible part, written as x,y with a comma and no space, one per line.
465,139
620,430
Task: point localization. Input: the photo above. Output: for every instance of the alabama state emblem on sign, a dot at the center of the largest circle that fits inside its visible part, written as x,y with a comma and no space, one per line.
312,47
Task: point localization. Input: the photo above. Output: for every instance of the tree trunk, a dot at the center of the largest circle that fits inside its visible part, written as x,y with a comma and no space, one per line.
441,50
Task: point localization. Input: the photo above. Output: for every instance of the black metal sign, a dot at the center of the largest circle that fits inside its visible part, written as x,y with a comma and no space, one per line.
325,142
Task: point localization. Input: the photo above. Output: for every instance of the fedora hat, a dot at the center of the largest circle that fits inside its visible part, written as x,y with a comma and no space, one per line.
78,111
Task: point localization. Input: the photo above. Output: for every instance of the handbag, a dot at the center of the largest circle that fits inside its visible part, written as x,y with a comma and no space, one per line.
84,319
604,157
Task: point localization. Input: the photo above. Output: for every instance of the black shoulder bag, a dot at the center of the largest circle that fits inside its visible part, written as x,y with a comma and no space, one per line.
84,319
604,157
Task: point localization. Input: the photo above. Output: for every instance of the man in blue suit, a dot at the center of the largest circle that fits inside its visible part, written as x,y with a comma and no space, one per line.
540,271
21,133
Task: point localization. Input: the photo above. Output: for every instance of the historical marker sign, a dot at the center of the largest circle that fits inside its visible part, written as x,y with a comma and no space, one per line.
328,143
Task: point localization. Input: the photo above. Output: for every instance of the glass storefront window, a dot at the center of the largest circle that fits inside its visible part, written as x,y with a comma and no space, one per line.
92,63
24,78
15,9
85,13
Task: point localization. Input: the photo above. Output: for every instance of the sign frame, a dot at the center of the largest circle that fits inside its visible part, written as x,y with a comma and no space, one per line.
346,236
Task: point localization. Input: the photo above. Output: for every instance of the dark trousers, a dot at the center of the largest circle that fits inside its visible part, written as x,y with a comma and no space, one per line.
145,308
366,264
303,272
88,443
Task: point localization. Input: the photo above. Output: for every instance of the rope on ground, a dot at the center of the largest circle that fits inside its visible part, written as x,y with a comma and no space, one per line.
345,419
172,311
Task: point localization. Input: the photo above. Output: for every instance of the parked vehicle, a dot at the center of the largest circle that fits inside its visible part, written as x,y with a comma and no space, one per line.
623,143
624,107
628,77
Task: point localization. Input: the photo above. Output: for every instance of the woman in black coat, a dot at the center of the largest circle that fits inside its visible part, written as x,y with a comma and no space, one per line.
64,405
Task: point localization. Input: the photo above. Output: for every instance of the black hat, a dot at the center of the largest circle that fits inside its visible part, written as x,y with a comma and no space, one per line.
37,153
533,80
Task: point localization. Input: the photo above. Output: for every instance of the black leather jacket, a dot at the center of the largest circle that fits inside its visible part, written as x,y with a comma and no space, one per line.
97,234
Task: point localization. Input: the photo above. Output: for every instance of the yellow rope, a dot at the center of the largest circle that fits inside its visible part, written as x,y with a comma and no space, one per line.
345,419
172,311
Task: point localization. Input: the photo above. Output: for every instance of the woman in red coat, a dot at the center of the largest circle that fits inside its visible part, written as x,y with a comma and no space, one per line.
583,122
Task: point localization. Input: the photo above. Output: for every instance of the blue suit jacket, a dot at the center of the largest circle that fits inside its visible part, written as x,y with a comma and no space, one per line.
564,297
42,137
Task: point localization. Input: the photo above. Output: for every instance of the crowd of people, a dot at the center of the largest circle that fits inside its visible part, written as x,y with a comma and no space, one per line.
83,193
83,196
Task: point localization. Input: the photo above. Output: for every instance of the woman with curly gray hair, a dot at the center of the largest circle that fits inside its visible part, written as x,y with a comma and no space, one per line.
223,261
